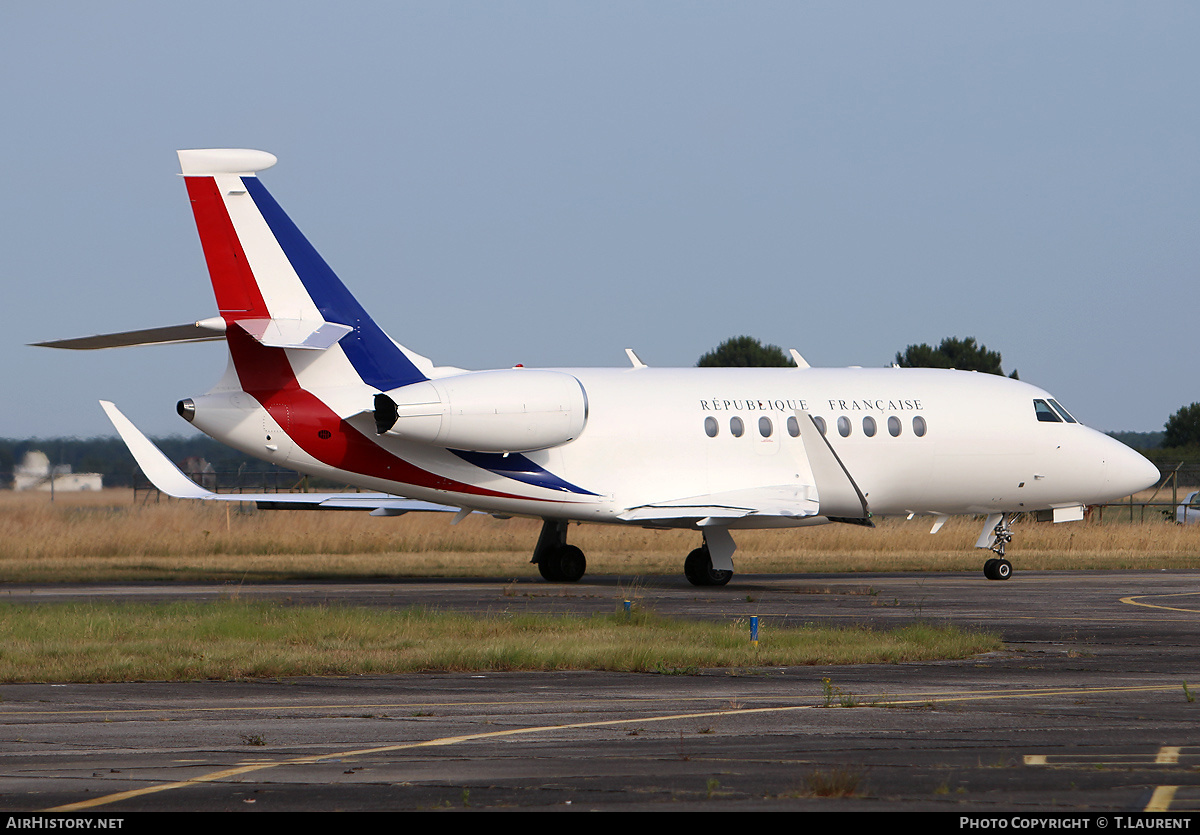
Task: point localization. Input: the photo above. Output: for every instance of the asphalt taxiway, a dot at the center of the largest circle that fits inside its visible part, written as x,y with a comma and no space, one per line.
1089,708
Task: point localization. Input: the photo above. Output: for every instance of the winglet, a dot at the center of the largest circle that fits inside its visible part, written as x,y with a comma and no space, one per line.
158,468
170,479
837,493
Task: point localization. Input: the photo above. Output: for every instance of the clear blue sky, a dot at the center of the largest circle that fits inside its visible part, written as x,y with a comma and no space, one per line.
548,183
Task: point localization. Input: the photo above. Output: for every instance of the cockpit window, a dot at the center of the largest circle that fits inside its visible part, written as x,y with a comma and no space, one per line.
1045,413
1065,414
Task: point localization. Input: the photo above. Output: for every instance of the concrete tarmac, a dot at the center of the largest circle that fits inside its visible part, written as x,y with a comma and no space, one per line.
1088,709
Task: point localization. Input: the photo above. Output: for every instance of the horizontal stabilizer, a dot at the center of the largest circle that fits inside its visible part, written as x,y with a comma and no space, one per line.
171,480
294,333
206,330
313,335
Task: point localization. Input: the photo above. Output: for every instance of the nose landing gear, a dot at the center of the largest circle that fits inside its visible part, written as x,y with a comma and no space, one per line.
997,568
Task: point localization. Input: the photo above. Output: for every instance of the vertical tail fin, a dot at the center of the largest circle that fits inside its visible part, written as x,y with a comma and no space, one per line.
271,284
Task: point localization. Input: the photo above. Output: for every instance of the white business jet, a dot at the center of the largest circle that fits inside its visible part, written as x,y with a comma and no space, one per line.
315,385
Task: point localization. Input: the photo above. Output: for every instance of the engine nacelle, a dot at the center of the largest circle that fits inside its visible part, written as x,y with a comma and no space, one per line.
512,410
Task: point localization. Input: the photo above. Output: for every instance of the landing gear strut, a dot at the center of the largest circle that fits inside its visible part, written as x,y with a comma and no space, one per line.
999,568
557,561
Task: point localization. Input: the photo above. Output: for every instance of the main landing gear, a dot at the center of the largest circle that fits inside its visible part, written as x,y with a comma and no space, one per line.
712,563
999,568
709,565
698,568
557,561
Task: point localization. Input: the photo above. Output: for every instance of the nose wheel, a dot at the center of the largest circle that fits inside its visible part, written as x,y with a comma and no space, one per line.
997,569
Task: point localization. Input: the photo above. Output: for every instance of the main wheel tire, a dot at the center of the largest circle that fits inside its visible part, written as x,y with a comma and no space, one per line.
571,564
549,566
989,569
698,568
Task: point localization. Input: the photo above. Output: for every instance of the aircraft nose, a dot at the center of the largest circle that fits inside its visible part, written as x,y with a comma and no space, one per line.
1127,471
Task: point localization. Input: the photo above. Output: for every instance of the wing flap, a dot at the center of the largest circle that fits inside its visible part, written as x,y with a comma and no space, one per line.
784,500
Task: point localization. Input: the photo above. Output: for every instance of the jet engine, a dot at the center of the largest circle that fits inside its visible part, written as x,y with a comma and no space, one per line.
511,410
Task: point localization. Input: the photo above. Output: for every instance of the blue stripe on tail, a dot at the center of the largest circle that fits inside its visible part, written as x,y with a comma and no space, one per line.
375,357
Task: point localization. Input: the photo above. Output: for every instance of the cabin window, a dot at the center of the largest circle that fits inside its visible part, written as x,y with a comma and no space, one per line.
793,426
919,426
736,426
844,426
894,426
1065,414
1044,413
820,422
869,426
710,427
764,426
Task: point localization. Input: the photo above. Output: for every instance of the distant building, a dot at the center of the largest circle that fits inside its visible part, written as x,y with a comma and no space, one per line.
201,472
35,473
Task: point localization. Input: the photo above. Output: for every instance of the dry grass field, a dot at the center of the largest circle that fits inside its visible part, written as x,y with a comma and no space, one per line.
102,536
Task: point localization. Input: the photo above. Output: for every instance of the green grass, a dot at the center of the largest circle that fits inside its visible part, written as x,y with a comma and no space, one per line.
236,639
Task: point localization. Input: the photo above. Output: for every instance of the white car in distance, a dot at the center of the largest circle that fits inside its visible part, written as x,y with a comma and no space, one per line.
1188,512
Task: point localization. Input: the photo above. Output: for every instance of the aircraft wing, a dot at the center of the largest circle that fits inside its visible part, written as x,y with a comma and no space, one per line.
171,480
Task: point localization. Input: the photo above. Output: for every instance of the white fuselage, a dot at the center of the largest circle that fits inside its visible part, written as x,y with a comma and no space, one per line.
647,441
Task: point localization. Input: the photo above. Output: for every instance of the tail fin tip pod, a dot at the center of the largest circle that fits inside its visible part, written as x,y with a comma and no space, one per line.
204,162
